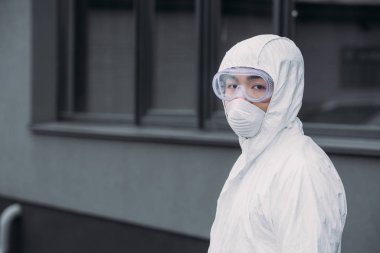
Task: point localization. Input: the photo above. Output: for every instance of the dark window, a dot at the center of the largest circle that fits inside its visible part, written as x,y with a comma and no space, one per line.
110,60
151,62
99,41
104,44
340,44
173,88
176,57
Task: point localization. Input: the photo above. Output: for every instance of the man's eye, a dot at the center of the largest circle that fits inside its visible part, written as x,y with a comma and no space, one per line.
232,86
258,87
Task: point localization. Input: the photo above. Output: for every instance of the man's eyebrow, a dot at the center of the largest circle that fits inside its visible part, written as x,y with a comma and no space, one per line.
253,77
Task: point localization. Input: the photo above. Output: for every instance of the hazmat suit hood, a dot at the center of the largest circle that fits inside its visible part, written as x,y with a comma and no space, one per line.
283,61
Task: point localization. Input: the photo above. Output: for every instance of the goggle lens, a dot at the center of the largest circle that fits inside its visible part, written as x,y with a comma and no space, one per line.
254,85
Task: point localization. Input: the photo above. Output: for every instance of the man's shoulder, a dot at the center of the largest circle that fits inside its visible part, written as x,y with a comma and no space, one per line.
306,152
306,157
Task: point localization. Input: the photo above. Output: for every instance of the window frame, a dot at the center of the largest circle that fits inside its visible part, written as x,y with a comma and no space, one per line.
149,116
47,79
72,62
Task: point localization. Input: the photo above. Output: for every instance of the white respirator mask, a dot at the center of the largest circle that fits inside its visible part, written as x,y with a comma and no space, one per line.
244,118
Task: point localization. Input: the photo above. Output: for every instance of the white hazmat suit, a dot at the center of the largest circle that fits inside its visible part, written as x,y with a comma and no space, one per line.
283,195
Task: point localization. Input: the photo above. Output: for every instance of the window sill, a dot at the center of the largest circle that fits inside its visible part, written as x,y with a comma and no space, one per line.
332,145
139,134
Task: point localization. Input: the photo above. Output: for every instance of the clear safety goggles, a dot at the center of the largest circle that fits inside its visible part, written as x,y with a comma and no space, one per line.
252,84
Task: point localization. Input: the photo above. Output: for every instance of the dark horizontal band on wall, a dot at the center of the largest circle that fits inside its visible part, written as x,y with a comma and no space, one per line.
43,229
331,144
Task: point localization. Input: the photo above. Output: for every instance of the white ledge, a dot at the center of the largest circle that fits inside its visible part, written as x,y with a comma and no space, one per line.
331,144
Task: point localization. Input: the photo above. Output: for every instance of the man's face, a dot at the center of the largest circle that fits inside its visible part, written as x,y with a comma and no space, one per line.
254,86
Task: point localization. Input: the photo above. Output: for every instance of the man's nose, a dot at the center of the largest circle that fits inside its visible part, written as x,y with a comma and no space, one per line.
239,92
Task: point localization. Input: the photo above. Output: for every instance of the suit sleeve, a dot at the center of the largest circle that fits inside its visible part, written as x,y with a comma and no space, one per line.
307,210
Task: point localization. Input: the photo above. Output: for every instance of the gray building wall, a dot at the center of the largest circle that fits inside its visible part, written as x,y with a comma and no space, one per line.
168,186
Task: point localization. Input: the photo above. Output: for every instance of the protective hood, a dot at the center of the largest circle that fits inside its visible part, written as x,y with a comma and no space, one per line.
283,61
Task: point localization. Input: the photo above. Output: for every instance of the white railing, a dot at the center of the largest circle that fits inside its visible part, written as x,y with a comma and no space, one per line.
7,216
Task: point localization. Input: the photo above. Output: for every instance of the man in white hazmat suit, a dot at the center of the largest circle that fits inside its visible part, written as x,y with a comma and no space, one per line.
283,195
